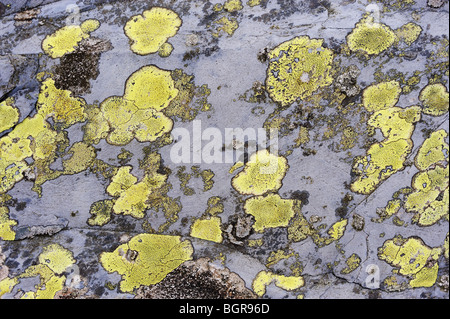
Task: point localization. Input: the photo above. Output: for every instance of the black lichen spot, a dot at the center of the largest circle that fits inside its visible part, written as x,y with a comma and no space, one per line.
342,211
302,196
77,69
2,9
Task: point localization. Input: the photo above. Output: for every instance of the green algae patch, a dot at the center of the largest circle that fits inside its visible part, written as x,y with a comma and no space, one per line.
434,98
146,259
381,96
149,31
297,69
67,39
9,114
414,259
233,5
265,278
370,37
208,229
270,211
262,173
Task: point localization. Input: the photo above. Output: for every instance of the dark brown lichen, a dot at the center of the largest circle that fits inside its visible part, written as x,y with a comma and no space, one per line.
77,69
198,279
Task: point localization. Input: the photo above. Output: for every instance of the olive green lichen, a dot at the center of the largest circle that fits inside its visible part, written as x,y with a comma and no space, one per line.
434,98
146,259
370,37
297,69
409,33
208,229
149,31
434,150
190,100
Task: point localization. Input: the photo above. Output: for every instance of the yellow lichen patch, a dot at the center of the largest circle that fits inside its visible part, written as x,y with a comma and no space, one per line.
227,25
262,173
7,285
381,96
352,262
233,5
89,26
101,212
66,39
146,259
215,206
136,114
269,211
150,30
430,198
252,3
53,261
432,151
60,104
446,246
32,137
297,69
133,200
9,115
236,166
265,278
387,157
395,123
277,256
370,37
6,224
337,230
409,32
150,87
57,258
121,181
413,258
82,156
207,229
434,98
